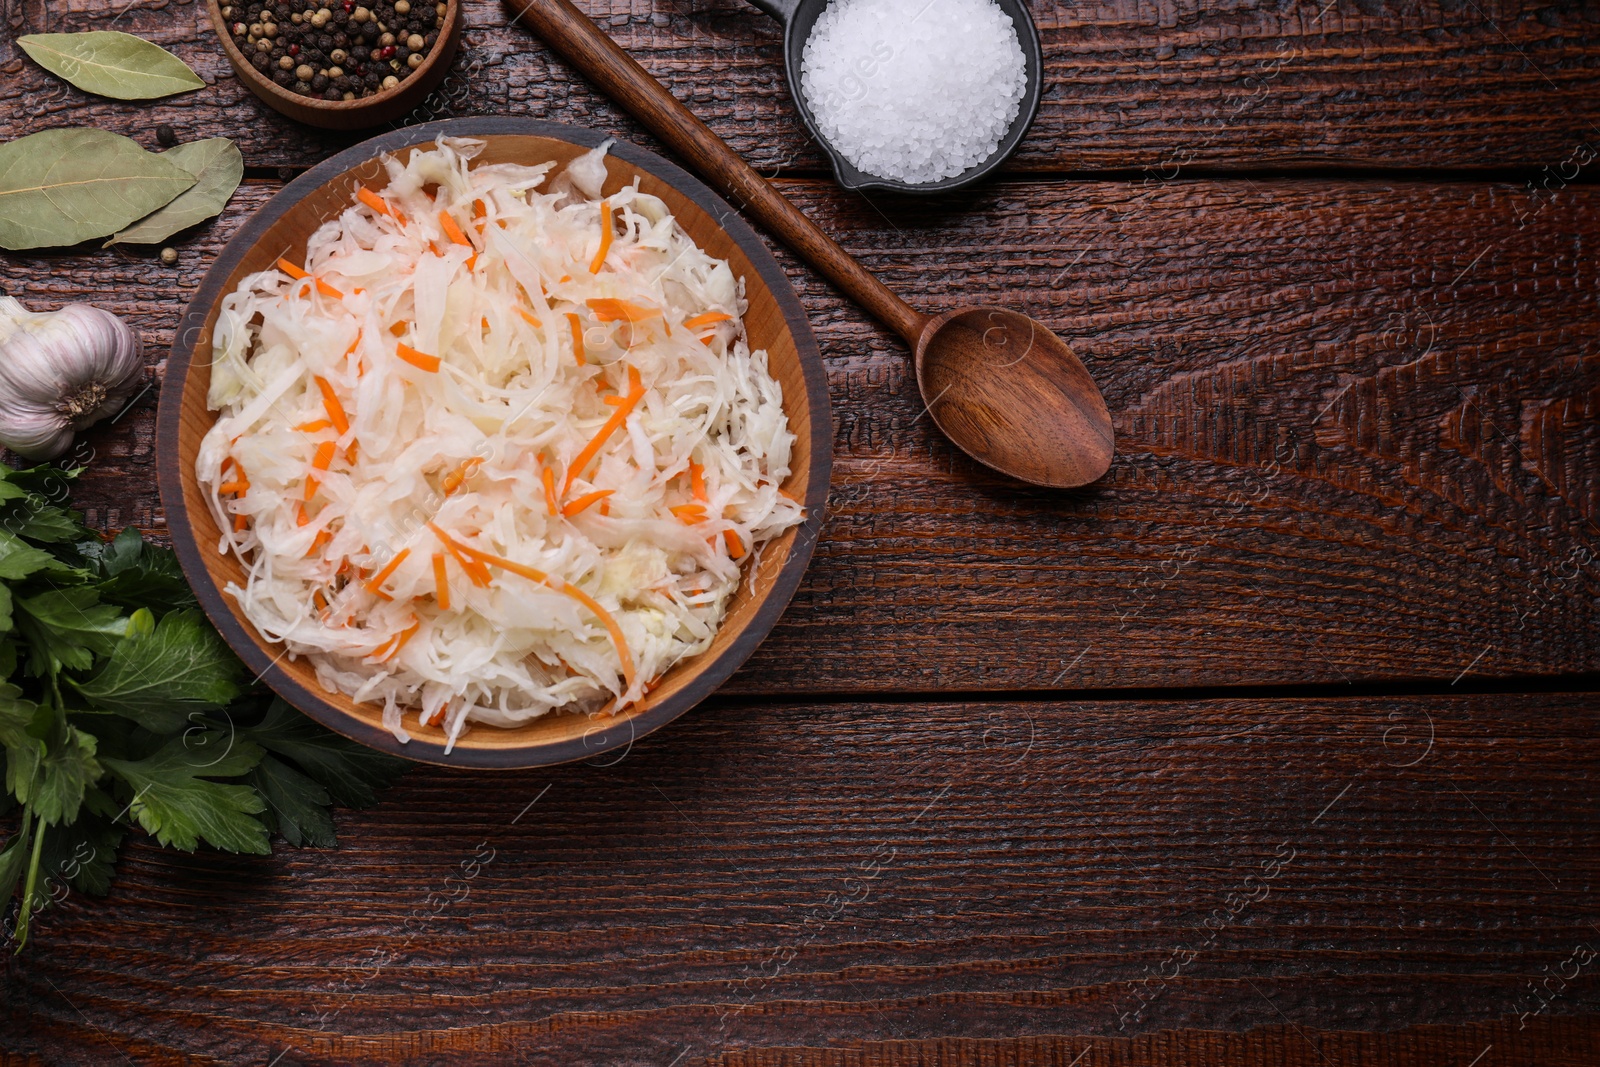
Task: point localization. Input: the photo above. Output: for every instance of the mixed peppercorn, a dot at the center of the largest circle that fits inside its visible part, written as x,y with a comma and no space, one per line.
339,52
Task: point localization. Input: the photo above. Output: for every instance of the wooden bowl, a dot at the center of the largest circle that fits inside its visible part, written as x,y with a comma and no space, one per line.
380,107
775,321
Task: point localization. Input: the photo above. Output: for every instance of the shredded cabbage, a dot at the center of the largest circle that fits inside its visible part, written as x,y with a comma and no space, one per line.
458,353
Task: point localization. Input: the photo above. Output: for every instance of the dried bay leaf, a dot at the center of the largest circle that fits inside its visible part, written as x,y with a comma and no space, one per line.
111,63
60,187
218,168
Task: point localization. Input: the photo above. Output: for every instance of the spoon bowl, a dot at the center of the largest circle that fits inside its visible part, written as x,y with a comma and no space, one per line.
1014,397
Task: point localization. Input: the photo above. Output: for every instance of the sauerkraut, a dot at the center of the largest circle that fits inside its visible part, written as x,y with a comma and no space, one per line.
493,449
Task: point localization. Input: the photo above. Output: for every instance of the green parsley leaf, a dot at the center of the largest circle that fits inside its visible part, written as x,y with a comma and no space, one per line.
18,559
24,751
136,574
351,773
175,803
65,772
296,806
158,677
43,522
83,854
68,628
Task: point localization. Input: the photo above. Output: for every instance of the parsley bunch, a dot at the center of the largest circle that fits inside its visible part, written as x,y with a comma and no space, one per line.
121,709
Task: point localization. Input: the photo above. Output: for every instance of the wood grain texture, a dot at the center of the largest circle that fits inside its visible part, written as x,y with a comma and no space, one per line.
1130,84
1356,424
790,883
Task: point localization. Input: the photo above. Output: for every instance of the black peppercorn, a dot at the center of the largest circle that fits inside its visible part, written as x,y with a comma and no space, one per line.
283,78
260,61
165,136
332,94
369,31
320,82
360,53
341,40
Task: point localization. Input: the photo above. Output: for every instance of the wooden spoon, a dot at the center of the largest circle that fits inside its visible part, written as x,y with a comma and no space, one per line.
1002,386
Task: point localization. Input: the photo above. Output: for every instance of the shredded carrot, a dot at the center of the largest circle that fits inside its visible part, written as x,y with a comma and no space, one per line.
563,278
452,231
239,487
735,546
311,486
330,400
614,400
608,309
707,319
689,514
635,385
418,359
605,237
240,523
441,582
613,424
697,481
399,329
322,538
456,478
548,476
400,641
529,319
227,461
315,426
605,507
301,518
472,261
350,453
327,290
478,210
388,569
485,324
291,270
324,457
562,586
477,573
585,500
577,339
320,600
373,200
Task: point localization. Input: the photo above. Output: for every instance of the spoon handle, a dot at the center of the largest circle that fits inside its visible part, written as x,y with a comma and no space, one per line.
581,43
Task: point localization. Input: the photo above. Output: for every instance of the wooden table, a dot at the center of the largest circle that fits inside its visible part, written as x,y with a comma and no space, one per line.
1277,746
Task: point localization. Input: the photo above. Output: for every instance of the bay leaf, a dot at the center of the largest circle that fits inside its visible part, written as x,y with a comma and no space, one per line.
60,187
218,168
111,63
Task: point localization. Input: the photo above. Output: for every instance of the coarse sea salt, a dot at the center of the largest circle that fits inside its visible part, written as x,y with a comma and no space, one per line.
914,90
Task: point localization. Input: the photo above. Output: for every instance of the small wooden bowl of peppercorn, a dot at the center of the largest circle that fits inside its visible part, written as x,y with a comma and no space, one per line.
339,64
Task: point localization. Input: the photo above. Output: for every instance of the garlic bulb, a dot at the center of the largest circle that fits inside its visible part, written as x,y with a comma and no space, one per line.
61,372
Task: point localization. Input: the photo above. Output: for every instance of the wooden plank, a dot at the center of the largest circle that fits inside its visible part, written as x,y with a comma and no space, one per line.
1131,85
1356,426
854,883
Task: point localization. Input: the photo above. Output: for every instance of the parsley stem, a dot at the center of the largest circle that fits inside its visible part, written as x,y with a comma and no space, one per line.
27,890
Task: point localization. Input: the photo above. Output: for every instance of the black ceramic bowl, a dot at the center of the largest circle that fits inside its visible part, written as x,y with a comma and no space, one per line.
798,16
